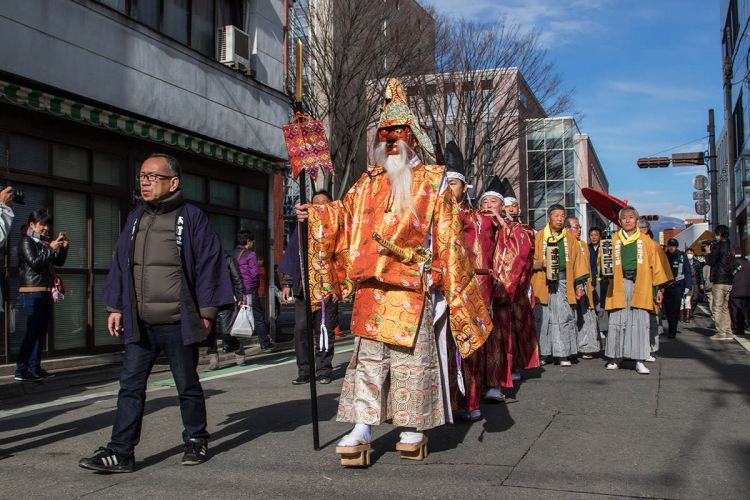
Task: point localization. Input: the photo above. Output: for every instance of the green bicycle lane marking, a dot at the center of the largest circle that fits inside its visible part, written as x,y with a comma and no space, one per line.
245,368
159,385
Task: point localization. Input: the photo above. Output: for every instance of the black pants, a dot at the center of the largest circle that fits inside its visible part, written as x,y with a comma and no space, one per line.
672,299
137,362
739,311
259,317
35,308
323,359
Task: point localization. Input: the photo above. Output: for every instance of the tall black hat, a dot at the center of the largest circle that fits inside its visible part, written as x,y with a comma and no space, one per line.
454,162
494,188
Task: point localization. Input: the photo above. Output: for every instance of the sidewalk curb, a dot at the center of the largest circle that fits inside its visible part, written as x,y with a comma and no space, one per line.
745,343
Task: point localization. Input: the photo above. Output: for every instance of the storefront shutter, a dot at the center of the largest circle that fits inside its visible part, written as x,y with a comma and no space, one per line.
71,318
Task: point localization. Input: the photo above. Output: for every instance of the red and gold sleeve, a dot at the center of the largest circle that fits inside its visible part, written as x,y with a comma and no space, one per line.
469,319
328,252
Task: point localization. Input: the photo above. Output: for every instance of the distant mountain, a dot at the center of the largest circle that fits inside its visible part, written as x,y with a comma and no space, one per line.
666,222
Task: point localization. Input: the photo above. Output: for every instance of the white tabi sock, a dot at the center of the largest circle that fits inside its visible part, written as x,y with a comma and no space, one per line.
411,437
359,435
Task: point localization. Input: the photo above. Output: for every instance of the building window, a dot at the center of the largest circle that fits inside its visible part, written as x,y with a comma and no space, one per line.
536,165
121,5
535,135
738,117
223,193
70,162
190,22
252,199
193,187
555,165
29,155
554,134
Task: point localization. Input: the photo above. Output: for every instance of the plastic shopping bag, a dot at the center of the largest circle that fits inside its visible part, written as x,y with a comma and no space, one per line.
244,324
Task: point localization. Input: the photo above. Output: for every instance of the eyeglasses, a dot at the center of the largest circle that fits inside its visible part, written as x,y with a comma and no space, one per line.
153,177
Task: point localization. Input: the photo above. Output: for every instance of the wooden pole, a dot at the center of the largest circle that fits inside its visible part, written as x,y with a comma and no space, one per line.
303,231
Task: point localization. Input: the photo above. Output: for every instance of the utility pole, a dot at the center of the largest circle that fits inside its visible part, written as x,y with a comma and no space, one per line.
713,171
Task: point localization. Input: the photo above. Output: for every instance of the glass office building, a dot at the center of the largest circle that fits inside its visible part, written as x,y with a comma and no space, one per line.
561,161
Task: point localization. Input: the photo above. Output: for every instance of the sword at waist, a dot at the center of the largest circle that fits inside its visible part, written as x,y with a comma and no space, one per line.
416,255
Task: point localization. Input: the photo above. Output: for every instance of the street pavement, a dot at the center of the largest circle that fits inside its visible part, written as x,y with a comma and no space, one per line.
579,432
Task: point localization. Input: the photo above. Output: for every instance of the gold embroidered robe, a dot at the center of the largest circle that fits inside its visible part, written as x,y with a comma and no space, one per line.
389,294
651,271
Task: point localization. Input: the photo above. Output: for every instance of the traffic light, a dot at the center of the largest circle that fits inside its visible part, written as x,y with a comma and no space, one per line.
651,217
688,159
657,162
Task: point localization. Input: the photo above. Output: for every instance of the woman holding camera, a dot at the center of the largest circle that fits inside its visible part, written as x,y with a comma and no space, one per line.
37,256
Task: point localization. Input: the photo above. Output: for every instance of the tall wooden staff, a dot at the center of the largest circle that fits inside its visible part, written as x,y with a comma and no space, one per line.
302,231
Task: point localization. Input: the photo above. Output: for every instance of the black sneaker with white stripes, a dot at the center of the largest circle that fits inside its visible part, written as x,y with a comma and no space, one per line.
107,460
196,452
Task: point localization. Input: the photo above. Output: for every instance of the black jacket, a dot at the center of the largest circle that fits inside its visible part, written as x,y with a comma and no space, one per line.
680,269
722,264
741,285
227,314
35,261
290,266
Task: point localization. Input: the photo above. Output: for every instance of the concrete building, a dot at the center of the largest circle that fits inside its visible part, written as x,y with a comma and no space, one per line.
561,161
487,113
89,88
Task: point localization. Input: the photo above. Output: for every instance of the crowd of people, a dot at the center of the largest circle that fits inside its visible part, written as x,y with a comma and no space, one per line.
453,299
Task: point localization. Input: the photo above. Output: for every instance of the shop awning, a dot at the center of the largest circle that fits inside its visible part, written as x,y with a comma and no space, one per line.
128,125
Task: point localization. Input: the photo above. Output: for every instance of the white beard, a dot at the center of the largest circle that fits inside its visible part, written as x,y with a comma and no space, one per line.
398,167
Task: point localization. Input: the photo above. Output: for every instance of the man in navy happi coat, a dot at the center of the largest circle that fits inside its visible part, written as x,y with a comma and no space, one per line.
167,281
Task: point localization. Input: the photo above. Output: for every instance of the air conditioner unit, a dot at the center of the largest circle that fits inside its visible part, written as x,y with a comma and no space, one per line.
234,49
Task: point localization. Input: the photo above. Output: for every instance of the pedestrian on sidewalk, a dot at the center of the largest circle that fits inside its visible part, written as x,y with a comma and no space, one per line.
222,327
707,286
639,271
251,278
292,286
6,221
38,254
675,292
690,299
722,276
167,281
740,296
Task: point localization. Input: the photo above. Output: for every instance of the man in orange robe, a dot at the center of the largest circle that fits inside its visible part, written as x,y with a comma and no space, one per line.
396,242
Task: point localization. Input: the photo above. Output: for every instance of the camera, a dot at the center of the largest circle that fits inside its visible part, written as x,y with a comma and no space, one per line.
707,243
16,196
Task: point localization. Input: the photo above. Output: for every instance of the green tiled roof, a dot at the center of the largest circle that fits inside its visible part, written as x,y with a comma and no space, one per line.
66,108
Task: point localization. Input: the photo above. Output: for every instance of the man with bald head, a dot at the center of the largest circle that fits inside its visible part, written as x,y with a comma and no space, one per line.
166,284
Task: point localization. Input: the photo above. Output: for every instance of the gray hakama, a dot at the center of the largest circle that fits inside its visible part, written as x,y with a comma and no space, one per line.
654,332
558,334
588,335
629,330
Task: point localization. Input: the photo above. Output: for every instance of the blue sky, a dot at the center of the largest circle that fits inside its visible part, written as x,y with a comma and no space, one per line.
645,74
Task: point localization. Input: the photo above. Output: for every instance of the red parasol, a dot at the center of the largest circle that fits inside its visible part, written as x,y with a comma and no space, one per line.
604,203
